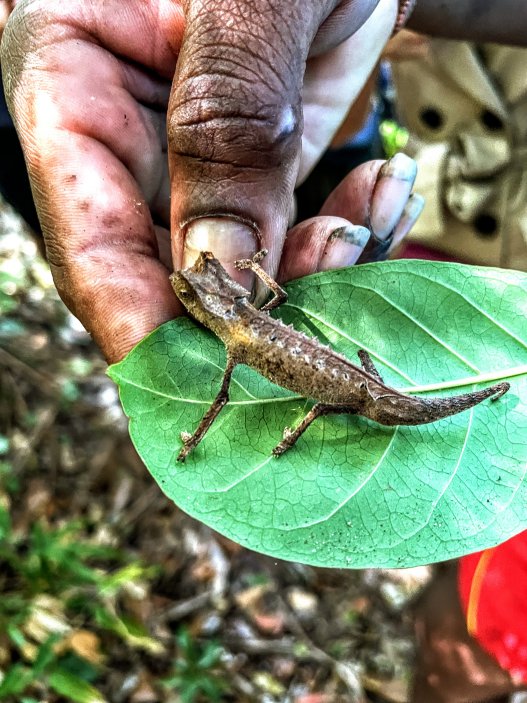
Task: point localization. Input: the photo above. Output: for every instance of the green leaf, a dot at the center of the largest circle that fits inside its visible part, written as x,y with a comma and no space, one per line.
17,678
351,493
46,655
72,663
74,689
112,583
130,631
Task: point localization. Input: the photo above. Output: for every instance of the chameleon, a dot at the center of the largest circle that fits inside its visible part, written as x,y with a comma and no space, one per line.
293,360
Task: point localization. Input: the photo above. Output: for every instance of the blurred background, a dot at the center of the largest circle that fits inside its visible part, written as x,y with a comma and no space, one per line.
109,593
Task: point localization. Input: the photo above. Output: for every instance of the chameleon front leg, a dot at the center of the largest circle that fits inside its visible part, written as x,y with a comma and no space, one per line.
318,410
192,440
280,296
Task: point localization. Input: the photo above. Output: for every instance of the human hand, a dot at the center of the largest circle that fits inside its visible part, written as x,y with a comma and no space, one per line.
88,84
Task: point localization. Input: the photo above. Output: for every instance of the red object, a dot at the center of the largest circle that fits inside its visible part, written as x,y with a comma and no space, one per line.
493,590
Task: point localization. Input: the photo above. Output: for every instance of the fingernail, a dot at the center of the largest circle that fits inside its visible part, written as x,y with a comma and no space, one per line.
394,185
414,207
344,246
227,239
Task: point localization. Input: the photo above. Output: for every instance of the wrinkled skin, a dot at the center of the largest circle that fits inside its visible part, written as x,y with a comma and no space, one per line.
89,85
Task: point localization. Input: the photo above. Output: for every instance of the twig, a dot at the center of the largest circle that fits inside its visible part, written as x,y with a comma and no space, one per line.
221,566
183,608
46,419
44,381
140,505
285,647
346,672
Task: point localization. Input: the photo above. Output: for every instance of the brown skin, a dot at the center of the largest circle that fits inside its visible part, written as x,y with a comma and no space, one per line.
451,667
88,83
294,361
472,20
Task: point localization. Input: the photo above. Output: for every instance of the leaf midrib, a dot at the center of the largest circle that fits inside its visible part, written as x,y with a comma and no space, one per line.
491,377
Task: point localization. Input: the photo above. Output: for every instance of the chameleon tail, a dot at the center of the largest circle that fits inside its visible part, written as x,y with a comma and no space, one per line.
408,410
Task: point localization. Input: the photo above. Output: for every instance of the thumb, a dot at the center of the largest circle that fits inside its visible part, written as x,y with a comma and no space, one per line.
235,124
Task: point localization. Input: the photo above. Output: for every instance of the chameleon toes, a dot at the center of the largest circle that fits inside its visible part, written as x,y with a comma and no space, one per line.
260,255
501,389
280,449
185,437
241,264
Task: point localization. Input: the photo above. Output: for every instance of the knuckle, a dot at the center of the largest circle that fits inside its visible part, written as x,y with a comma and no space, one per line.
220,120
236,99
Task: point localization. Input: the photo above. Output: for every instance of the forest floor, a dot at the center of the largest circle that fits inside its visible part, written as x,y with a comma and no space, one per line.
108,592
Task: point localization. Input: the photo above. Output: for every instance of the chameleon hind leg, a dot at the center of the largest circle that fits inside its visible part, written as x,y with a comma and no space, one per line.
192,440
368,365
280,296
318,410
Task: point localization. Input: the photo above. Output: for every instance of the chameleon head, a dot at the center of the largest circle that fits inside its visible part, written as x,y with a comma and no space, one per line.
206,289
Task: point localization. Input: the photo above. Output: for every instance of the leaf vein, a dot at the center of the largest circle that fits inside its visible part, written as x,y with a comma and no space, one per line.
504,329
336,329
356,490
420,326
195,401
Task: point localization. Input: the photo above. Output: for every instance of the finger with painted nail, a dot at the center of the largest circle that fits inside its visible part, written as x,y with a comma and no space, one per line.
413,209
377,195
389,199
320,244
392,190
344,247
374,194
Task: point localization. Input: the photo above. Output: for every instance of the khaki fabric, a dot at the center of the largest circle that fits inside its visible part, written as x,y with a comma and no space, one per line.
466,109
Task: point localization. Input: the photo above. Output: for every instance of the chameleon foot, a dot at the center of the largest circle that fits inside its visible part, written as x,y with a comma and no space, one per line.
280,296
286,442
501,389
241,264
183,454
368,365
260,256
187,446
281,448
